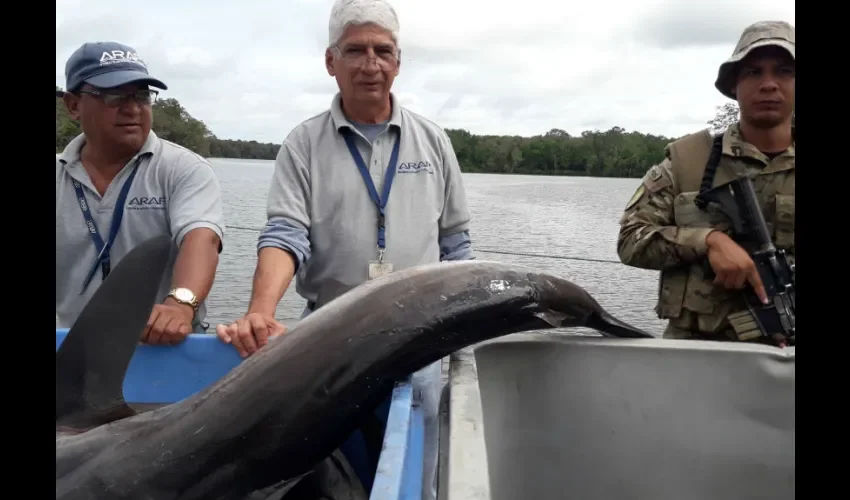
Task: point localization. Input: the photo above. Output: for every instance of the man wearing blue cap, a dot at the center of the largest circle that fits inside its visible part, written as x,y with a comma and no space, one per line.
119,178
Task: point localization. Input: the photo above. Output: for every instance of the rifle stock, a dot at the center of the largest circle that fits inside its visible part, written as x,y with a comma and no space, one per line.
737,201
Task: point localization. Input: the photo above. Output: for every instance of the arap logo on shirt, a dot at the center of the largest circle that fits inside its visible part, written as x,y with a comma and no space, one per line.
414,167
147,203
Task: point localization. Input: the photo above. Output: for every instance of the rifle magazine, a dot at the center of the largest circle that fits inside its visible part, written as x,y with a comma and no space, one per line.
745,325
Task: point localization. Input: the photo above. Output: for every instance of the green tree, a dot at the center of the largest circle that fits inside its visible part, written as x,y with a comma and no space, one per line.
173,123
611,153
66,128
724,116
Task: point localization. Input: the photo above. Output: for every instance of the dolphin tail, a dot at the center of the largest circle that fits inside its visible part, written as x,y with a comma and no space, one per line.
92,361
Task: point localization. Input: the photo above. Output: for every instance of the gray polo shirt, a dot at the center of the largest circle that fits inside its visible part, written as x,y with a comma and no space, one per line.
320,210
174,192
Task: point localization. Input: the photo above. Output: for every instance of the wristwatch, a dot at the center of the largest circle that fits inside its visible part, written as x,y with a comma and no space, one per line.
184,296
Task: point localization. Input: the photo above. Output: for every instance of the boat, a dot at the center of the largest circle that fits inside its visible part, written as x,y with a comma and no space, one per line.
159,375
553,416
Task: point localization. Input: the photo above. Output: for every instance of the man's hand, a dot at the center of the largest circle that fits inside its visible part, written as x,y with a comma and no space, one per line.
732,265
250,332
170,323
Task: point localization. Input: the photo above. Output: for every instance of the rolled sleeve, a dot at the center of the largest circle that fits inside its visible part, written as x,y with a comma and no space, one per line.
287,236
455,217
195,202
456,246
288,212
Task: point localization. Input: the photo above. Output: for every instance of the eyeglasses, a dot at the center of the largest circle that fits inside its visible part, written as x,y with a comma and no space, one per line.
113,99
357,57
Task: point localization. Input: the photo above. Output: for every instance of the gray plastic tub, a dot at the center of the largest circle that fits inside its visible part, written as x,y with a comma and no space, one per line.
545,417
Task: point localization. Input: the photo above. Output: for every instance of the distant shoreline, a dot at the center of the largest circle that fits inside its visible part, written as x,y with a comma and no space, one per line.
613,153
579,175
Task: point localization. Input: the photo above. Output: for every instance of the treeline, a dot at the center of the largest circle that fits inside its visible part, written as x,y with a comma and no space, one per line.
610,153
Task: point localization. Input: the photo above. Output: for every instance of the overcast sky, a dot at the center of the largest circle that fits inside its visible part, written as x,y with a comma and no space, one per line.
253,69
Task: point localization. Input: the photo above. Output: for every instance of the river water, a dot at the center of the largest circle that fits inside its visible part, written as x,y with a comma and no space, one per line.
574,217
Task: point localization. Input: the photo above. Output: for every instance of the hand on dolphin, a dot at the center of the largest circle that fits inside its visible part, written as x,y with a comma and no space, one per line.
250,332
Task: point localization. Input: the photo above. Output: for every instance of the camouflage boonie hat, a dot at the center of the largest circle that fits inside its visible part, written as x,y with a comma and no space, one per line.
761,34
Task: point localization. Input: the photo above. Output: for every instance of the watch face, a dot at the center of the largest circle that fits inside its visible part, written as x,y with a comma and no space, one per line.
183,294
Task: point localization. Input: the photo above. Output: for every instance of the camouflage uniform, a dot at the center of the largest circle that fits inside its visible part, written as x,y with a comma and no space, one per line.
663,229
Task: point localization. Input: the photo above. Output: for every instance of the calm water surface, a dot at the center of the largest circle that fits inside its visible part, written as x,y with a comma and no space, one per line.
557,216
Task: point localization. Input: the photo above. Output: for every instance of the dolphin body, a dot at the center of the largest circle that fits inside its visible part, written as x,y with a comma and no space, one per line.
290,405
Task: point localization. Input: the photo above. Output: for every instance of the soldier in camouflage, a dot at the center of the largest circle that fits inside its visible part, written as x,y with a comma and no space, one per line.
663,229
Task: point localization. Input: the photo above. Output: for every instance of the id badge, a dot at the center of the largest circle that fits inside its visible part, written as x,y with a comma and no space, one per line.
378,269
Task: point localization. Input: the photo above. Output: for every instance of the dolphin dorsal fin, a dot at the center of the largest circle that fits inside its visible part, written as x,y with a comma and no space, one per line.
92,361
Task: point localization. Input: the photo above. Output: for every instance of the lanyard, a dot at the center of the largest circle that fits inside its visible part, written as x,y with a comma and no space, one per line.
103,249
380,202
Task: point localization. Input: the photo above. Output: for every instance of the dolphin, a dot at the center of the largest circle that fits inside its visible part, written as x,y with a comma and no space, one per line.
98,349
296,400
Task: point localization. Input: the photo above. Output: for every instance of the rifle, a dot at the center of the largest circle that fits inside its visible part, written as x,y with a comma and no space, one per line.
737,200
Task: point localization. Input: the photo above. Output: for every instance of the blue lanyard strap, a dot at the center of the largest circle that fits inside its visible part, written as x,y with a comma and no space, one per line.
380,202
102,248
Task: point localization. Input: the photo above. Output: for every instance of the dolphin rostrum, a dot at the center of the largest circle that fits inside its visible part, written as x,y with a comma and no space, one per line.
296,400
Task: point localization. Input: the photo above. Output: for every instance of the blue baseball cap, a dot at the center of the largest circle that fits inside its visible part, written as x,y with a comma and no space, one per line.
106,65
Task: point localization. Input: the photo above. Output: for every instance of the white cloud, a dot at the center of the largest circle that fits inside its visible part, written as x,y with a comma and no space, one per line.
254,69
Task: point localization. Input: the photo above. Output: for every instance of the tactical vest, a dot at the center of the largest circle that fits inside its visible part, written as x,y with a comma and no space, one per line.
687,298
